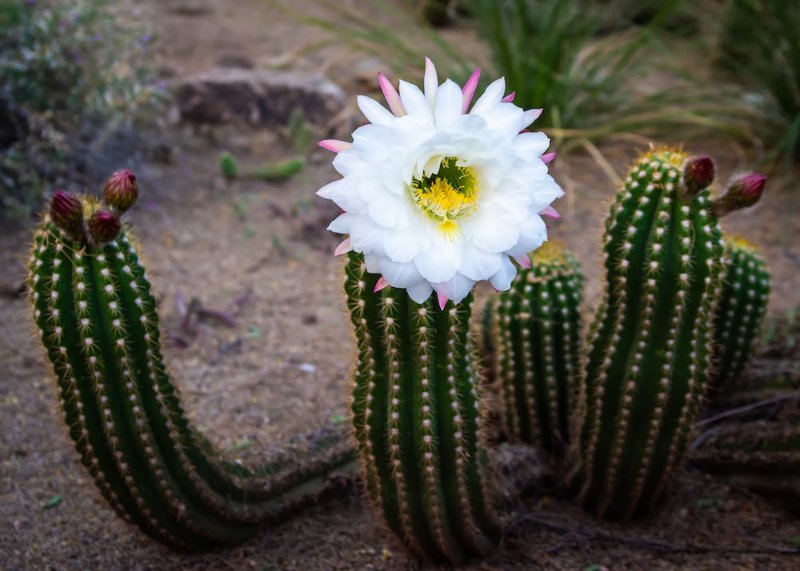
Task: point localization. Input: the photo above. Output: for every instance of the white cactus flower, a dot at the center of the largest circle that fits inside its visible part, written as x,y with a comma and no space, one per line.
437,195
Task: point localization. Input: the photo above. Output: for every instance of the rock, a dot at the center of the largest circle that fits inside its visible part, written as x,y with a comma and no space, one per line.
257,97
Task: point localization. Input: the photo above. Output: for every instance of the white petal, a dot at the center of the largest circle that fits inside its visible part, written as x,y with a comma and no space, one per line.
414,101
374,111
491,228
456,288
504,276
366,236
400,275
532,144
441,261
344,194
342,223
386,209
490,98
431,82
373,264
532,234
420,292
545,194
449,99
402,245
478,264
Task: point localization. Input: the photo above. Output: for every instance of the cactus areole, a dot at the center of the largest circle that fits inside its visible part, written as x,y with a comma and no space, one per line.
96,317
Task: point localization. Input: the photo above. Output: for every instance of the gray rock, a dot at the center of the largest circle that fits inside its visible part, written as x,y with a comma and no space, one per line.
256,97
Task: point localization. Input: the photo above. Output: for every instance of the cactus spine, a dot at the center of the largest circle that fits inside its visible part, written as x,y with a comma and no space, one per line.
536,332
96,317
417,419
651,339
743,305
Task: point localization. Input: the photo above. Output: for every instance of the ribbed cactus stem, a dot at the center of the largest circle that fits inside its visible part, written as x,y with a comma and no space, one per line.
741,311
763,456
418,420
96,317
536,333
651,340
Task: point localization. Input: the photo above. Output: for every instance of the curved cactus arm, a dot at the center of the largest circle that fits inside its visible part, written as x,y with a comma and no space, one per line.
741,312
97,320
650,342
535,330
417,418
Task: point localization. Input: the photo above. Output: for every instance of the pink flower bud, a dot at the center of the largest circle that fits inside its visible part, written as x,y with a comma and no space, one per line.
121,190
104,226
66,212
698,173
743,191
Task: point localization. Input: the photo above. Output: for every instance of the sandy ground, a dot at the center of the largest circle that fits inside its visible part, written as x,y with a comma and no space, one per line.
284,367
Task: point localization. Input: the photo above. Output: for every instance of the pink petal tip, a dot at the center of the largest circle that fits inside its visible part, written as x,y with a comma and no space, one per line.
551,212
536,113
509,98
335,145
442,300
380,284
469,89
547,158
391,95
524,261
343,248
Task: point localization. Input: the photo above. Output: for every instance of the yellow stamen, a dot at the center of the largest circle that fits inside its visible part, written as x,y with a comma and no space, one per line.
446,196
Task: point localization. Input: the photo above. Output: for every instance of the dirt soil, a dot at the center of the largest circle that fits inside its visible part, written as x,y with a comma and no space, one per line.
260,250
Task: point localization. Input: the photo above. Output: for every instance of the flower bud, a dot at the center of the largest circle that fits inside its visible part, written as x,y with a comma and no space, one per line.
66,212
698,173
104,227
121,190
743,191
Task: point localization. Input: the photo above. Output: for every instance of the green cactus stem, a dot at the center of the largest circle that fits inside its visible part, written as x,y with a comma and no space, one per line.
651,338
418,420
535,331
741,311
96,317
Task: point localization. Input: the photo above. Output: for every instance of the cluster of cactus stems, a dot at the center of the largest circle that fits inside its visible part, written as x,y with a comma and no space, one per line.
96,317
742,307
651,341
417,417
535,330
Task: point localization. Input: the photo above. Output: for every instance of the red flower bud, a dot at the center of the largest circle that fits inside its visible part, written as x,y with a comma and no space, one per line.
66,212
698,173
743,191
121,190
104,226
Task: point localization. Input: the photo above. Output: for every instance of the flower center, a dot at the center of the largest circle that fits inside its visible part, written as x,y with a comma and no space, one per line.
447,195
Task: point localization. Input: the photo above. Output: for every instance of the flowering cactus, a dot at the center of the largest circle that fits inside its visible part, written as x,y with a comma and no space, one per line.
437,194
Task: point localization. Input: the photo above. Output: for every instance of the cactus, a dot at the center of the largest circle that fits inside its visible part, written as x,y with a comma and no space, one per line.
535,332
762,455
741,311
417,419
97,319
651,339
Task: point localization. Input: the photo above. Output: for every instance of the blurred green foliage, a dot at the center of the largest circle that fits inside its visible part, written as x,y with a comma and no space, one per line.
760,47
69,67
